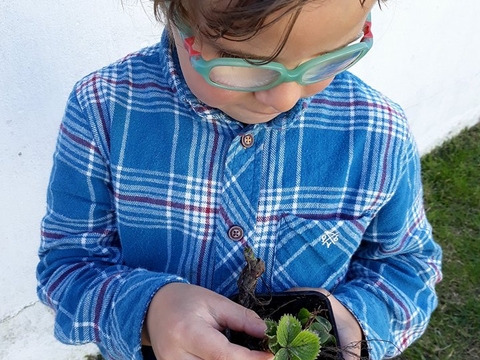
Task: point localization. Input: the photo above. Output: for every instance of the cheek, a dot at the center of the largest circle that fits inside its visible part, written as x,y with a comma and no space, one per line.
310,90
210,95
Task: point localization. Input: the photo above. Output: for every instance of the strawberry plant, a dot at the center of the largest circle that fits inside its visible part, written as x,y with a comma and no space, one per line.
310,334
298,338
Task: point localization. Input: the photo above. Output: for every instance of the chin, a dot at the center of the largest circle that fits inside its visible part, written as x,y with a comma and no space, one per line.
253,118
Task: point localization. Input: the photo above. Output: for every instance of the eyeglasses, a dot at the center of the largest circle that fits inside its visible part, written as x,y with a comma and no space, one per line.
252,75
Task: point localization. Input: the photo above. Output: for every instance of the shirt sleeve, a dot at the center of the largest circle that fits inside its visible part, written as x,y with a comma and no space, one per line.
81,274
390,283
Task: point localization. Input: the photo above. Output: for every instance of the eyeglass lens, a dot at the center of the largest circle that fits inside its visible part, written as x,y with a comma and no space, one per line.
238,77
330,68
243,77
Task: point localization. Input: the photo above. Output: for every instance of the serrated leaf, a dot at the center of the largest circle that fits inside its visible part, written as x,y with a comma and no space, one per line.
319,330
274,346
324,322
303,316
288,329
327,339
271,330
305,346
282,354
271,334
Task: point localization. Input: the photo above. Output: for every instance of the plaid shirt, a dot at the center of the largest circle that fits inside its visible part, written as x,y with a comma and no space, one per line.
148,183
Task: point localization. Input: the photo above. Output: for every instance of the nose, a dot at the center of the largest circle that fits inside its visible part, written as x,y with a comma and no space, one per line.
282,97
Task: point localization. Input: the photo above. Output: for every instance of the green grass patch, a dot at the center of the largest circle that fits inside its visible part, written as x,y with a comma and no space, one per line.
451,179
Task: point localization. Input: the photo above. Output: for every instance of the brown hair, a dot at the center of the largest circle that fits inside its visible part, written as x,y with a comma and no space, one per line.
237,20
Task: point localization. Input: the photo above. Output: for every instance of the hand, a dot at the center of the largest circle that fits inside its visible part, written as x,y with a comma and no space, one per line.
186,321
349,331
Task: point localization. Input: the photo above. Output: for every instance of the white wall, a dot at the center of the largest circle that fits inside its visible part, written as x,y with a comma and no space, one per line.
425,57
44,48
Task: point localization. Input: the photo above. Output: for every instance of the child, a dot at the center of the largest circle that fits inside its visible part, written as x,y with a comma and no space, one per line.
239,128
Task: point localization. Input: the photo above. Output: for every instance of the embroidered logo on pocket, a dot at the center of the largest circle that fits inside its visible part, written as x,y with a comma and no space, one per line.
330,237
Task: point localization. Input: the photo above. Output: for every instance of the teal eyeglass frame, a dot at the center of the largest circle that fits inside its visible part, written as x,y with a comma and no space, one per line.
204,67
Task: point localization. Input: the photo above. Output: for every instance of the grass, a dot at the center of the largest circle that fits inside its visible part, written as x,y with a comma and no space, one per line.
451,179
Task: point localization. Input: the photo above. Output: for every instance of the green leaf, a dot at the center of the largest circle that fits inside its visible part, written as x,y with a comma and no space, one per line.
288,329
303,316
319,330
328,339
322,329
271,330
282,354
324,322
274,347
305,346
271,334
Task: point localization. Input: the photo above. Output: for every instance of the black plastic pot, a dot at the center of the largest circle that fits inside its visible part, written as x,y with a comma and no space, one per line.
289,303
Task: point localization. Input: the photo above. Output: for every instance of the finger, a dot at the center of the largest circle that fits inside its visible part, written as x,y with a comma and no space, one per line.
190,357
182,356
320,290
352,351
236,317
210,345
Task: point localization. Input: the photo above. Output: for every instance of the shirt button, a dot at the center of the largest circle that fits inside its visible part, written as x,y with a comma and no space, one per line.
235,233
247,140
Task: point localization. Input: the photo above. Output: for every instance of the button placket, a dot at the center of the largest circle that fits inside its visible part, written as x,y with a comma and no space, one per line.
240,194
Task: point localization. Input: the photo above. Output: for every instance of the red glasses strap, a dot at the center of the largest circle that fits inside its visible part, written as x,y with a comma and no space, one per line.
188,43
367,29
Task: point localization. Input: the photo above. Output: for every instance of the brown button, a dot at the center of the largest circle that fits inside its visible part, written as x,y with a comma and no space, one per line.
235,233
247,140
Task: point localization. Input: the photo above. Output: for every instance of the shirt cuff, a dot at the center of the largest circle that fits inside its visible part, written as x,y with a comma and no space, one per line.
128,311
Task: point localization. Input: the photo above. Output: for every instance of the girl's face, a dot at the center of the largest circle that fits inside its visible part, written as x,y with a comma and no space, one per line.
322,26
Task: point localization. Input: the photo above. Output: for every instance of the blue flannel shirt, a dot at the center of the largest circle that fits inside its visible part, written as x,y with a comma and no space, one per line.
147,181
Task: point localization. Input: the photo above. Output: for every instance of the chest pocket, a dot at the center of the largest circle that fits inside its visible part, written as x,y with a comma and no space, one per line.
313,253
